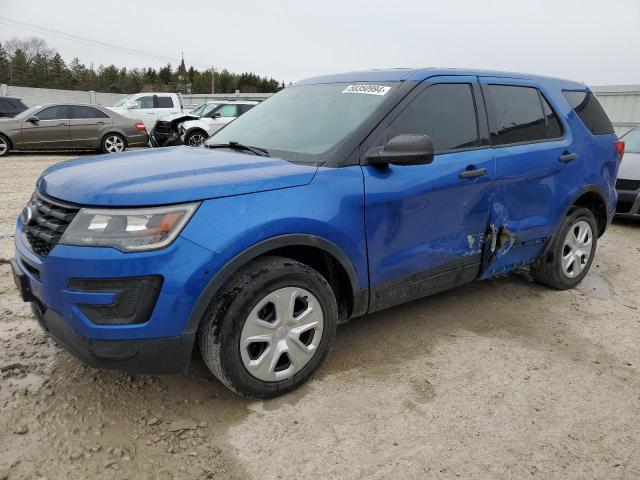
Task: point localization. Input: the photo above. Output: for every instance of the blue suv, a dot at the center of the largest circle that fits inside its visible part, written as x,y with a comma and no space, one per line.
339,196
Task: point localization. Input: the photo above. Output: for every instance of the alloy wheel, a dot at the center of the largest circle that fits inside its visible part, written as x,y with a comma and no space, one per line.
114,144
577,249
281,334
196,140
3,146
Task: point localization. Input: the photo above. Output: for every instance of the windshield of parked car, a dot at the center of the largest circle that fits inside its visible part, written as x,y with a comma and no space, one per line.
205,107
28,112
301,123
122,101
631,141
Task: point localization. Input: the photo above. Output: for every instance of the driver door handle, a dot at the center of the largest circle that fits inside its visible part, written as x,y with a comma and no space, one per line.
63,124
480,172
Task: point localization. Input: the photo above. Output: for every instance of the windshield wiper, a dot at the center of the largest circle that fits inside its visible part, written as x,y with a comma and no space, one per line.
239,146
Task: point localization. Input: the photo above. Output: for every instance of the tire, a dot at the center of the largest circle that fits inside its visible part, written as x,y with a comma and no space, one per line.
245,308
113,143
5,146
195,138
568,259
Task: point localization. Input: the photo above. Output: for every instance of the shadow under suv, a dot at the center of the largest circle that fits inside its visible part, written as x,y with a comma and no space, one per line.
339,196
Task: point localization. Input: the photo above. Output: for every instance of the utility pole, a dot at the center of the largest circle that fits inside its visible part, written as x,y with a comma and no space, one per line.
213,80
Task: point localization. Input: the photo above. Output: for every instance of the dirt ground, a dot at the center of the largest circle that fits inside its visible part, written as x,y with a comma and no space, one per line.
499,379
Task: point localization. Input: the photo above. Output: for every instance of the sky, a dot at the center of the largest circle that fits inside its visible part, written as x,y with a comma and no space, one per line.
596,42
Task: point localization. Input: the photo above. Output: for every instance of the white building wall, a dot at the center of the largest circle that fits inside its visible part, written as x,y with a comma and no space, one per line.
622,104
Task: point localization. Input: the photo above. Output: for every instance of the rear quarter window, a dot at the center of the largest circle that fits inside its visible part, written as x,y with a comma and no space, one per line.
587,107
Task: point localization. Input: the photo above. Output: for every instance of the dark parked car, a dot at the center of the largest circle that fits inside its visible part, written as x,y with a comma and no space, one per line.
70,127
628,183
11,106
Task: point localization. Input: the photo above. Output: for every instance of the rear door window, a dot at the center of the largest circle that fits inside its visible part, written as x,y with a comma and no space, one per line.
56,112
554,127
517,114
79,111
165,102
586,105
445,112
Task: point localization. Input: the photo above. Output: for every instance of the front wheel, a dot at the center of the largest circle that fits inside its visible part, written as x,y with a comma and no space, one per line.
568,259
113,143
195,139
270,327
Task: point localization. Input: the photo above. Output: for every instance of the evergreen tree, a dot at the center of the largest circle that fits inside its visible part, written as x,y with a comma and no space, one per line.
59,75
4,65
19,69
39,72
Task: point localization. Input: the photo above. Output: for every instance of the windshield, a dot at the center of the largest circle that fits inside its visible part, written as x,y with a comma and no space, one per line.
28,112
631,141
204,109
122,101
305,120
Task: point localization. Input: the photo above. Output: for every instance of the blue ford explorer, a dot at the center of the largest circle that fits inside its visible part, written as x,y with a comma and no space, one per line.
339,196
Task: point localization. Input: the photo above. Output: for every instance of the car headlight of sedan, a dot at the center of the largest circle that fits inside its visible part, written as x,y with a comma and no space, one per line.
128,230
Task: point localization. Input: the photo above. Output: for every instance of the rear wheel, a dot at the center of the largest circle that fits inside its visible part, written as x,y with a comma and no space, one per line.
113,143
5,146
568,259
270,328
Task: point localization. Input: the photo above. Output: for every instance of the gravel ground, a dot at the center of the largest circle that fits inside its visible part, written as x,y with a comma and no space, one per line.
499,379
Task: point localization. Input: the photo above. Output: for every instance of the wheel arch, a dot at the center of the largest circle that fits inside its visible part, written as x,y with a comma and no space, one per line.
324,256
196,129
592,198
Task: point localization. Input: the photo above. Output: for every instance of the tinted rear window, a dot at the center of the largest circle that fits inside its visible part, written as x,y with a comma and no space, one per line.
518,114
586,105
445,112
165,102
79,111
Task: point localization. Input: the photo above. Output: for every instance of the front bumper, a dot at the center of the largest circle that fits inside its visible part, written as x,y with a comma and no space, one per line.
628,205
171,355
159,345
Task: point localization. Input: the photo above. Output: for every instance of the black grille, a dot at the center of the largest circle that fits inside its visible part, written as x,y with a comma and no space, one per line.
623,206
49,220
629,185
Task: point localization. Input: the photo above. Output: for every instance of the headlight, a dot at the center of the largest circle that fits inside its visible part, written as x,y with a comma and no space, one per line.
128,229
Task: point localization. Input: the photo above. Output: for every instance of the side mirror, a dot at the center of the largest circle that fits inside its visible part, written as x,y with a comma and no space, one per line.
33,119
215,115
408,149
131,106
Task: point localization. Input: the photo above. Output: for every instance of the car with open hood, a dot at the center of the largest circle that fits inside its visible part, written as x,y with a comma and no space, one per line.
195,127
338,196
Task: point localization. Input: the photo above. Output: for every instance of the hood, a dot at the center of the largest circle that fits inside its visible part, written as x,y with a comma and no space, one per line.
168,175
630,166
178,116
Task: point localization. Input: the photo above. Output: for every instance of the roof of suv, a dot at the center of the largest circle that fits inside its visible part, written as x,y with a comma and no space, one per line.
399,74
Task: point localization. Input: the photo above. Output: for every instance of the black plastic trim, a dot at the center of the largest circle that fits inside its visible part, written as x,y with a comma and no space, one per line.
360,299
428,282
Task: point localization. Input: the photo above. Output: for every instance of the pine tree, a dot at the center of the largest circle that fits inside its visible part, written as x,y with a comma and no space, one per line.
4,65
39,72
59,75
18,71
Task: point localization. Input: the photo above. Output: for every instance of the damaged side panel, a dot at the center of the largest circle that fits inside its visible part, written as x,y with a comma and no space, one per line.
510,243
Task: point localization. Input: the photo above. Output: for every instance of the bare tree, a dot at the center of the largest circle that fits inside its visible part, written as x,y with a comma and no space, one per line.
31,47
